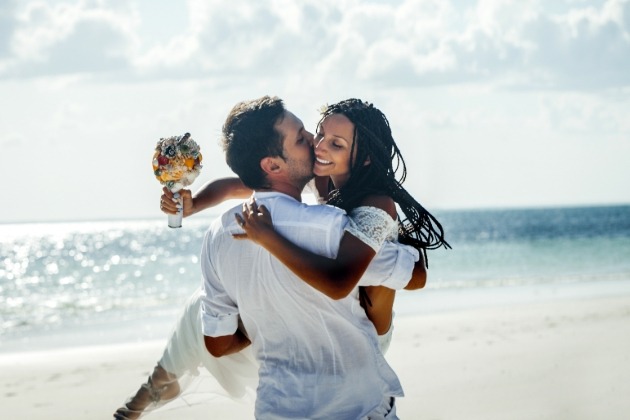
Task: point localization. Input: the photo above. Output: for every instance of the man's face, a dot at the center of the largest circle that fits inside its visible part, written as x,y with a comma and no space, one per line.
297,148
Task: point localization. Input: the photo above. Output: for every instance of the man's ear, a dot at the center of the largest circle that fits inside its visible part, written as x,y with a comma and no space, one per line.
269,165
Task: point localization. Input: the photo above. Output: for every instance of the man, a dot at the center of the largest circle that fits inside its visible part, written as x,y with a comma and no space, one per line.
319,357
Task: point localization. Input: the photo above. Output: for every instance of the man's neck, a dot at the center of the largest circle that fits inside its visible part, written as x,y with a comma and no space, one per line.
285,188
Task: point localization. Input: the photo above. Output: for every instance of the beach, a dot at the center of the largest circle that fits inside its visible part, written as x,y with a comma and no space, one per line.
527,317
554,359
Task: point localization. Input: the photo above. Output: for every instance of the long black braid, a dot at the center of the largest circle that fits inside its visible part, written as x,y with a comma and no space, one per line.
373,140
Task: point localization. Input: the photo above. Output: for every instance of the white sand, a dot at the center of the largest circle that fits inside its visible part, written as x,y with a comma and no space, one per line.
554,360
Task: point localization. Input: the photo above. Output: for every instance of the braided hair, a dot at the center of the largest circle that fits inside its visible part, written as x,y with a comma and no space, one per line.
373,140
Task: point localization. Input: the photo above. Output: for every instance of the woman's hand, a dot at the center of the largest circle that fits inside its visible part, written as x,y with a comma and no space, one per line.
169,204
256,222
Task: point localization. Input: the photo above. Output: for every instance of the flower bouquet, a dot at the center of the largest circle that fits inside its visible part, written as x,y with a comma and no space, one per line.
176,164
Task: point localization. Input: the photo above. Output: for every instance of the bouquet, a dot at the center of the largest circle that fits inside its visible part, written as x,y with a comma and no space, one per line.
176,164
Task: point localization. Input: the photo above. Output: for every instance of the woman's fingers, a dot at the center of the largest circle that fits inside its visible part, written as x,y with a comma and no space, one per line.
241,222
253,205
167,205
264,211
254,220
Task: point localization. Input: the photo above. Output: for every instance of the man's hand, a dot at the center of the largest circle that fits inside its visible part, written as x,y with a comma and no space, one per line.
227,344
419,274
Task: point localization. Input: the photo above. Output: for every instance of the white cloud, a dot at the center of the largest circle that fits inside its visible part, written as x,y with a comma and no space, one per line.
7,24
569,45
66,38
173,55
489,88
582,48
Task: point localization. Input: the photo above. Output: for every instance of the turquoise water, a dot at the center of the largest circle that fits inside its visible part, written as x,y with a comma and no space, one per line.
102,281
541,245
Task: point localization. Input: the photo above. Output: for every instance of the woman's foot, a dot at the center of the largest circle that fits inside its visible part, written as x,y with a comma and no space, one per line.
160,387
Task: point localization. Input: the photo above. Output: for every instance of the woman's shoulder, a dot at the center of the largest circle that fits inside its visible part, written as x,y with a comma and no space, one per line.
382,202
374,221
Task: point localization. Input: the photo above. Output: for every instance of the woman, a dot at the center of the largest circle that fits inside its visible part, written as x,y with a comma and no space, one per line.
355,152
355,157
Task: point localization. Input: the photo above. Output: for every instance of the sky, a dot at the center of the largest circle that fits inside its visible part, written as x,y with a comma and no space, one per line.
493,103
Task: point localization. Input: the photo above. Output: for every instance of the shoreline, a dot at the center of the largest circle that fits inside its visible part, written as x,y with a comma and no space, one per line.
155,324
564,358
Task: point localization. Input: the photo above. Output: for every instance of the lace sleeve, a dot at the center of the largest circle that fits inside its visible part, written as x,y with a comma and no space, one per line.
372,226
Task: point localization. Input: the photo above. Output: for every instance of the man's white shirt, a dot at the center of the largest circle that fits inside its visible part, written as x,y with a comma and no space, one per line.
319,357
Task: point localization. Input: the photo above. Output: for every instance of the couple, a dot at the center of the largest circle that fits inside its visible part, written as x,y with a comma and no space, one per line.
318,353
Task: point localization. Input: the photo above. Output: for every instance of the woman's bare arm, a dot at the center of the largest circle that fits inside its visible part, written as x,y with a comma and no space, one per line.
209,195
336,277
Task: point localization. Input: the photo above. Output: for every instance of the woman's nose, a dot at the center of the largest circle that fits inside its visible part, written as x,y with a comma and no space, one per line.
319,143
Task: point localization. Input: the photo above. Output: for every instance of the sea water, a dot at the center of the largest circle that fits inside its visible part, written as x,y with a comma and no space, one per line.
101,282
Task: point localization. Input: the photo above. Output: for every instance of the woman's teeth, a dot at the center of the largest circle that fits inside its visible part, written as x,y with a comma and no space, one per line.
322,161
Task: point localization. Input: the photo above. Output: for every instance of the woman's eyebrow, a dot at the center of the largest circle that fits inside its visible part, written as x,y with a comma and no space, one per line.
339,137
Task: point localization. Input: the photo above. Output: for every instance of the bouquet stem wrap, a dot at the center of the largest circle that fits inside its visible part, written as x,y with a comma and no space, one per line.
175,220
176,164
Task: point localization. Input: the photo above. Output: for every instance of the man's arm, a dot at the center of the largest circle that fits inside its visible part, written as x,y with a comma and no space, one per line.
220,326
226,344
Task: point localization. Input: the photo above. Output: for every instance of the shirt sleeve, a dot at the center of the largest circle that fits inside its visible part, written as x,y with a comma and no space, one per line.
219,313
391,266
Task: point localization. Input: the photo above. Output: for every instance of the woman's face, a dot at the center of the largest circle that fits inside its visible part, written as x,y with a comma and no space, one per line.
333,148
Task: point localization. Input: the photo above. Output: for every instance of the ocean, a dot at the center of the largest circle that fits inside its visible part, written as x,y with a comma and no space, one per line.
87,283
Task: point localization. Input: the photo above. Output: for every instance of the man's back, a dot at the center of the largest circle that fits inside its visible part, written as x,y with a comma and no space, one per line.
319,357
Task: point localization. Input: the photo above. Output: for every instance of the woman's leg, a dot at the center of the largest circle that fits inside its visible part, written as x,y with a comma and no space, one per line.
182,354
161,386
